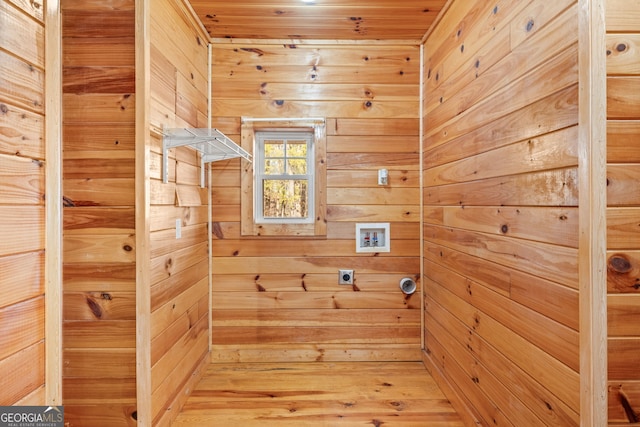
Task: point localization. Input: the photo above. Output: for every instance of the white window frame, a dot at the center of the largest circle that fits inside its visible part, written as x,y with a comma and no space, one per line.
259,174
317,227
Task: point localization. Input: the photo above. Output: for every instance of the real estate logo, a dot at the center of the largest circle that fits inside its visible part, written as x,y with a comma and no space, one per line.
31,416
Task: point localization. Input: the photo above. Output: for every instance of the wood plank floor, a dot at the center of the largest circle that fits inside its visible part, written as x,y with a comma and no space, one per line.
318,394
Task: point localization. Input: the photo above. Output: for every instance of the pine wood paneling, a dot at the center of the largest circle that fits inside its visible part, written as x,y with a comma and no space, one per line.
269,291
22,203
623,240
21,376
500,214
179,267
621,135
99,309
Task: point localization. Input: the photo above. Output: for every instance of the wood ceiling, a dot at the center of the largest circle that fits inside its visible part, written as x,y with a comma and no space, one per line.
388,20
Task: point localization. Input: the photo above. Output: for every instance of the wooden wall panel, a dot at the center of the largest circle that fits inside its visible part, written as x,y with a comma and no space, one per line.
277,298
623,240
22,203
99,308
500,209
179,317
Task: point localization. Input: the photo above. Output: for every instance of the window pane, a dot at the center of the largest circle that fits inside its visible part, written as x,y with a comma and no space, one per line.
296,149
285,198
297,166
274,148
274,166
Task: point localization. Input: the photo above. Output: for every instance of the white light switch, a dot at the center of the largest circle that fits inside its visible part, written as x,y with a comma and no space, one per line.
383,177
178,228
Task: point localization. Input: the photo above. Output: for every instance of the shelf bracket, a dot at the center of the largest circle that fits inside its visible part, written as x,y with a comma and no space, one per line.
212,144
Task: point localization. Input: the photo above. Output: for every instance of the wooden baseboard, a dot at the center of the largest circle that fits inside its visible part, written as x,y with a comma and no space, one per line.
178,402
458,403
273,353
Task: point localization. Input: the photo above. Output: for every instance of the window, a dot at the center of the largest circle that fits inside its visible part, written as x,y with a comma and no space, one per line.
283,189
284,177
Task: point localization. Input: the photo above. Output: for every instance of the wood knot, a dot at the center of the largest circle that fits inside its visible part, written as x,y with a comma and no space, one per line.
216,229
620,264
621,47
94,307
628,409
530,25
127,248
504,228
67,202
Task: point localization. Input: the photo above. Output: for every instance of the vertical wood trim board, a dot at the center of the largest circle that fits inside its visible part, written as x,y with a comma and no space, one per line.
422,126
593,178
142,223
53,248
623,209
501,82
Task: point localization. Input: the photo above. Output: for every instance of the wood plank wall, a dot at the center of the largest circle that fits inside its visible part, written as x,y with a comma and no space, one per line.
99,308
99,241
179,267
623,199
22,203
278,299
501,223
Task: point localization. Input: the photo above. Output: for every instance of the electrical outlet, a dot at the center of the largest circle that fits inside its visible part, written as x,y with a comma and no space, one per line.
345,277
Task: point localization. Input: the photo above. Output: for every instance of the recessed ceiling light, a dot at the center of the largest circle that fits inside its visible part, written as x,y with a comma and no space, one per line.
308,1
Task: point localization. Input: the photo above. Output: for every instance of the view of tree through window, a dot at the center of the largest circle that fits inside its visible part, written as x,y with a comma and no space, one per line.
285,186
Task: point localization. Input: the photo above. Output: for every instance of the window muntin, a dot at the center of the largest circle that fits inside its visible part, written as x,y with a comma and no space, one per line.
284,177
